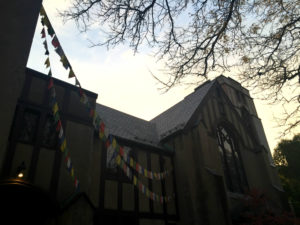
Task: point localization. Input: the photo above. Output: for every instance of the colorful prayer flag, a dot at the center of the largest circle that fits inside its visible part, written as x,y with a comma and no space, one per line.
43,33
59,51
55,108
77,82
55,42
50,85
71,73
47,62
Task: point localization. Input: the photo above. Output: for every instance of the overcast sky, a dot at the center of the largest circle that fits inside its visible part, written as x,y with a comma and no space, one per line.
121,79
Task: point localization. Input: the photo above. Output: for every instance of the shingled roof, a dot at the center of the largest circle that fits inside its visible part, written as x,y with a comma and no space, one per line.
176,117
163,125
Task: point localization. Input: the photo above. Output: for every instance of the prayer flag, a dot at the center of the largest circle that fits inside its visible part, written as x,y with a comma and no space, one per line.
55,42
55,108
56,117
121,151
59,51
43,21
43,33
114,143
50,85
72,172
92,112
61,132
66,64
71,73
58,126
50,29
63,145
42,11
118,160
47,62
131,162
134,180
77,82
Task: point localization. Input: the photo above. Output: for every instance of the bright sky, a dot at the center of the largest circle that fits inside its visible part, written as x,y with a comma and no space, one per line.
122,80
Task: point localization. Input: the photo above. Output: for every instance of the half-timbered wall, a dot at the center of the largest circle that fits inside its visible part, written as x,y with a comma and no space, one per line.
120,201
33,142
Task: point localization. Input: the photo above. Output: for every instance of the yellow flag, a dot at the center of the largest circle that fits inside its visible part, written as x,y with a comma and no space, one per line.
101,135
145,172
47,63
63,145
55,108
134,180
118,160
131,162
114,143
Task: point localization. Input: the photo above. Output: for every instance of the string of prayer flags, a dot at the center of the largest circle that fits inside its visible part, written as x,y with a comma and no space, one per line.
137,183
58,123
65,62
61,137
59,51
126,163
133,164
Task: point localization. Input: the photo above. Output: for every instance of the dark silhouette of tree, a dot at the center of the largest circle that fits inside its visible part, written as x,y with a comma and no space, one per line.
260,39
287,159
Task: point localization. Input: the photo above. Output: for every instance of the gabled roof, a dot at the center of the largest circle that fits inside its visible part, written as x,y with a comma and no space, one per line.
127,126
163,125
176,117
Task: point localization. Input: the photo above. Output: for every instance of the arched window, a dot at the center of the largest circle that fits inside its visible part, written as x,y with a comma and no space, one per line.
233,171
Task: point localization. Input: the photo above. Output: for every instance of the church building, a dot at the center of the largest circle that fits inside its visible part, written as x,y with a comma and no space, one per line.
91,164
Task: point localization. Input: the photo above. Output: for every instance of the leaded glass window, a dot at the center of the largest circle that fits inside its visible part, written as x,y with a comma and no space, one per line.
29,126
111,158
49,133
233,171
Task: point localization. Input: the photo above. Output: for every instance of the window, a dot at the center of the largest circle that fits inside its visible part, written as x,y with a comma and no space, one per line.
29,126
49,138
233,171
111,164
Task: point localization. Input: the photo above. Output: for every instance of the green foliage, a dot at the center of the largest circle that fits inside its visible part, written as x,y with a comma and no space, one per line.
287,159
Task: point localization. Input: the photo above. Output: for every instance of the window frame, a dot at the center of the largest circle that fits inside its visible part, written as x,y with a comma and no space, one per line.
239,177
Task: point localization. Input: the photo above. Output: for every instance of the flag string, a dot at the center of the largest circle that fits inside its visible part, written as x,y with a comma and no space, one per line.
56,115
126,162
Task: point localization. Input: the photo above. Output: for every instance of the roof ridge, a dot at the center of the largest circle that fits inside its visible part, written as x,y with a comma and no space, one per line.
124,113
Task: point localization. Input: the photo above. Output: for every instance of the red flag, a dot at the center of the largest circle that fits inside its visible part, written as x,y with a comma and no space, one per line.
92,113
50,85
43,33
55,42
58,126
121,151
80,91
107,143
102,127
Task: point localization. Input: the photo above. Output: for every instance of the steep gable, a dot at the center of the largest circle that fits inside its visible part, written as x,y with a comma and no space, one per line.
176,117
